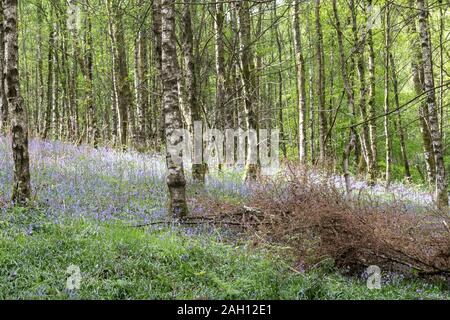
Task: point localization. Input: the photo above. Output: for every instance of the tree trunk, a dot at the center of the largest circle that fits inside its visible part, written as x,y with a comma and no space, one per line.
65,128
350,98
301,90
387,136
91,130
323,124
73,72
40,92
277,36
312,117
248,84
360,44
436,139
124,95
221,97
441,65
418,75
400,130
51,81
3,101
54,103
116,132
190,82
157,60
175,176
142,87
371,133
19,123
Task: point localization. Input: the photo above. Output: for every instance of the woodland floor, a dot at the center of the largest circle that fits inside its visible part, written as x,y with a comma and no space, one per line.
87,206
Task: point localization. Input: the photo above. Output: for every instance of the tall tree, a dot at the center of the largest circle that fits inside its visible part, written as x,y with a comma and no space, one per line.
301,82
387,135
176,181
190,77
417,75
359,47
323,123
19,122
51,79
370,129
441,63
3,102
142,82
222,104
158,123
400,129
92,131
123,86
312,117
441,192
73,72
350,96
40,93
248,84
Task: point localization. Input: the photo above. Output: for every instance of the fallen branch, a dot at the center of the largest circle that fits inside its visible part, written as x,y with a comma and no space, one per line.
194,222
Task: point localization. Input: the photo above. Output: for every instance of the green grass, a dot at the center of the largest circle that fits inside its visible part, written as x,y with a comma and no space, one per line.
120,262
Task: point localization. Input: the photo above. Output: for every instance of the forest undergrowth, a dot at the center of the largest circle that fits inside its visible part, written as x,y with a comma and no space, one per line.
287,237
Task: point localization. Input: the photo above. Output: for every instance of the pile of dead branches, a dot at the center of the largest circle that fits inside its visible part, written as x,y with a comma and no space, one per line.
319,222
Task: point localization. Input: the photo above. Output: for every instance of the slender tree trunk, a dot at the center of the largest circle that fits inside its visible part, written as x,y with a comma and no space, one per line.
360,44
277,36
312,117
40,92
222,105
370,127
3,101
419,87
73,72
65,128
301,90
388,142
116,131
123,87
323,124
400,130
19,123
51,81
436,138
175,176
85,59
142,85
190,77
221,96
54,103
441,66
157,60
350,98
92,129
248,84
73,121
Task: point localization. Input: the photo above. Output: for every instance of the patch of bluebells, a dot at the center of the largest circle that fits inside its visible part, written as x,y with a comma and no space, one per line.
103,183
229,184
410,196
69,180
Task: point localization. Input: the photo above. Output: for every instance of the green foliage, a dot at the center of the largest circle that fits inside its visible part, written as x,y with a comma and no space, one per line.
120,262
319,285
